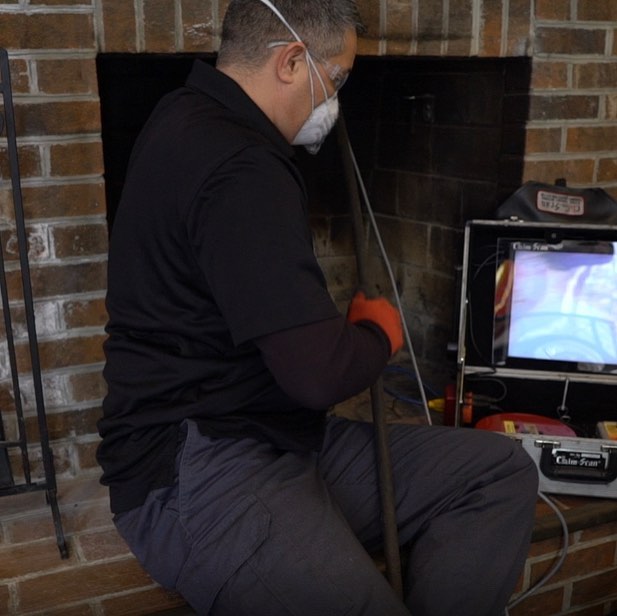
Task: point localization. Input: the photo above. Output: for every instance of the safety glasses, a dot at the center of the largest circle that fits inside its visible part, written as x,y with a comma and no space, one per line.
335,72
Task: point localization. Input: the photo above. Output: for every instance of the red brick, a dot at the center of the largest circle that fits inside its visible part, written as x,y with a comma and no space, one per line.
595,75
519,28
80,240
34,503
85,489
38,245
578,562
67,76
563,107
74,423
71,159
32,558
596,610
398,28
32,527
80,583
57,201
594,587
62,353
197,25
63,461
570,41
8,408
490,37
577,172
547,546
29,158
159,25
541,140
87,386
430,29
549,75
54,2
20,79
47,31
84,609
607,170
540,604
102,545
71,352
64,279
611,106
368,43
57,118
86,455
142,602
590,138
87,517
6,603
460,32
119,27
558,10
594,10
84,313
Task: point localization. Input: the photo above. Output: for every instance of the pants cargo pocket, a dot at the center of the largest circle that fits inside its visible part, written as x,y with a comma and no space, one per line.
217,554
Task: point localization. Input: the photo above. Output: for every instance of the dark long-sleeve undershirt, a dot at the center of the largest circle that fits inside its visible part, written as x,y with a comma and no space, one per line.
323,363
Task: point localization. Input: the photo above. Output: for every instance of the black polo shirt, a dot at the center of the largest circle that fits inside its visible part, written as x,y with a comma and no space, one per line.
210,249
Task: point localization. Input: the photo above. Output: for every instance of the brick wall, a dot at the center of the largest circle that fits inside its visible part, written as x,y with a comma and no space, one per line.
572,130
585,585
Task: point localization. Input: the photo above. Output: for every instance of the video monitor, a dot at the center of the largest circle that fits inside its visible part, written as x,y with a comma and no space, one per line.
555,305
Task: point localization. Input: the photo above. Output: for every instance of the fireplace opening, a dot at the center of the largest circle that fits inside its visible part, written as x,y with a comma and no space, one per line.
435,118
439,141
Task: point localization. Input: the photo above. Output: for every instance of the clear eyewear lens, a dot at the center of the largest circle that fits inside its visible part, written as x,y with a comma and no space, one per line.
335,72
340,80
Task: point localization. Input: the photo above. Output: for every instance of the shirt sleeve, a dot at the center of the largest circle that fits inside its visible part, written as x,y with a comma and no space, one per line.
323,363
249,231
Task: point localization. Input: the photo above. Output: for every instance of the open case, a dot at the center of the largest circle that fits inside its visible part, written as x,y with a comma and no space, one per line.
537,346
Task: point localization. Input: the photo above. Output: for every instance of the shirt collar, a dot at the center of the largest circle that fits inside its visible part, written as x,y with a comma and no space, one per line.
228,93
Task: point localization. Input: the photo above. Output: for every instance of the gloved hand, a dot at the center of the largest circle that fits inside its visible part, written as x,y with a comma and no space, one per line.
381,312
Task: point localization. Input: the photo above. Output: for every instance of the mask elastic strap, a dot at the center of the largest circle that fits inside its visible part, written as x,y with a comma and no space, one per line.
309,58
280,16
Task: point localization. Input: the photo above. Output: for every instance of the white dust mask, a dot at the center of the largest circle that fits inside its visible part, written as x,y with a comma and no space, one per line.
318,125
323,117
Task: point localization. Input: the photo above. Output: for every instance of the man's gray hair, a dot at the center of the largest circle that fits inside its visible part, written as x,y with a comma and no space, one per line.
249,25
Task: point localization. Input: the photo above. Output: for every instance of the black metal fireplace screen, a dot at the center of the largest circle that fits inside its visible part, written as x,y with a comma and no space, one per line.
21,440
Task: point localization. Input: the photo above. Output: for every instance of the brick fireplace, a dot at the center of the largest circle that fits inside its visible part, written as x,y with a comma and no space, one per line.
556,61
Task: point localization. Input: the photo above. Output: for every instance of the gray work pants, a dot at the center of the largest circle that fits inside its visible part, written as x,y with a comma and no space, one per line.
251,531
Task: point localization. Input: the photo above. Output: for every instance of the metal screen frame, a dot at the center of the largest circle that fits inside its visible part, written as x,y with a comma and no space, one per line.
25,483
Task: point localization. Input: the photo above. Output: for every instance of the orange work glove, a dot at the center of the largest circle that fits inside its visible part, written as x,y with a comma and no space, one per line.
381,312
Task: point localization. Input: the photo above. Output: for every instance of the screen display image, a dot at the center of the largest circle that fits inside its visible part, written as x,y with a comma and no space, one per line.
558,303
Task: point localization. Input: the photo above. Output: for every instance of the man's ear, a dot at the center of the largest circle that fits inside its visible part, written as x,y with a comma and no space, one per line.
289,61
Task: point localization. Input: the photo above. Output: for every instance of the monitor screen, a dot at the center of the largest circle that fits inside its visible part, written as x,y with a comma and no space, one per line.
556,305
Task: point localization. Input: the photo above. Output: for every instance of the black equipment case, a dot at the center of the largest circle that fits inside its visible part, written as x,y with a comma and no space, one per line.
537,345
